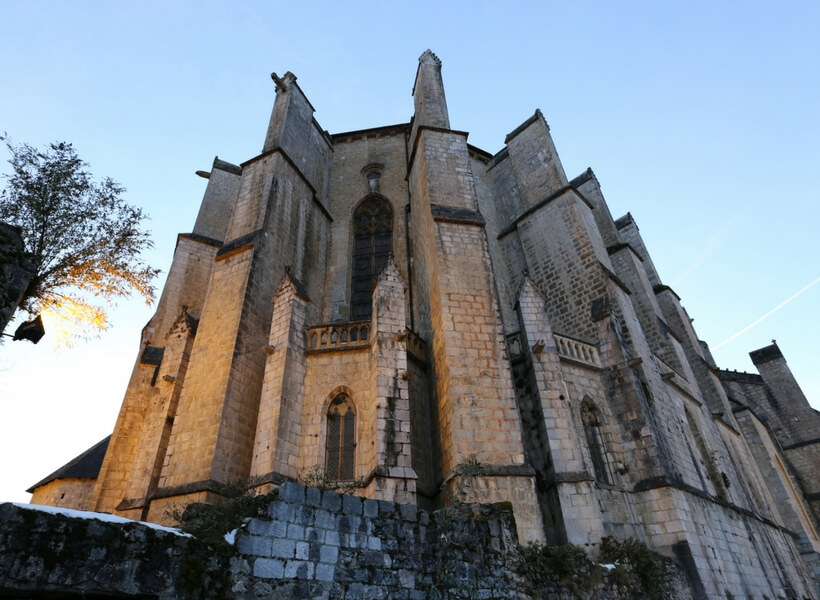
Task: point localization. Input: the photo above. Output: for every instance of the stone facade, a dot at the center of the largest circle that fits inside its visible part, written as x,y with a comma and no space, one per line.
489,333
782,433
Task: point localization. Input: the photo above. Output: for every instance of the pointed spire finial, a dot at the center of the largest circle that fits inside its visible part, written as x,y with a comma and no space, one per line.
428,57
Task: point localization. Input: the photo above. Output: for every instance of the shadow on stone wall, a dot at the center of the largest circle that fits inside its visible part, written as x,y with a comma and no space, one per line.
311,544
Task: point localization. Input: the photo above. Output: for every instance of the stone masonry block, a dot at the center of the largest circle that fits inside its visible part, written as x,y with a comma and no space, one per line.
283,548
352,505
407,579
267,528
325,572
332,501
374,592
357,541
328,554
332,538
325,520
299,569
408,512
292,493
254,545
374,558
304,515
281,511
302,551
313,496
296,532
313,535
268,568
371,508
387,508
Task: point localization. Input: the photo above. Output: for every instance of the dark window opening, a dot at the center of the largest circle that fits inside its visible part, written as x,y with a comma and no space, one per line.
595,443
372,245
340,453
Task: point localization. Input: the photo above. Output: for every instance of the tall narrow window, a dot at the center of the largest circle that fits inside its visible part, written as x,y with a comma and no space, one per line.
595,442
340,453
372,244
708,459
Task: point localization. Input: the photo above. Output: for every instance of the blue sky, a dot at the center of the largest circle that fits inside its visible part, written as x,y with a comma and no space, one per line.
699,118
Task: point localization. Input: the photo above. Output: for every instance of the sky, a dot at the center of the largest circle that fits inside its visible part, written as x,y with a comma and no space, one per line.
700,118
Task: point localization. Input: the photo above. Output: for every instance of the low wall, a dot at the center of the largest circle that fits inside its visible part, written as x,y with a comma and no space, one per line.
311,544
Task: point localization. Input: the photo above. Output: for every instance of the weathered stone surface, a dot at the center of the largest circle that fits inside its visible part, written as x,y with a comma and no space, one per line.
44,553
465,552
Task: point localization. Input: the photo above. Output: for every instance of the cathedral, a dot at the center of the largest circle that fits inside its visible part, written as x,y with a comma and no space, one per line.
399,313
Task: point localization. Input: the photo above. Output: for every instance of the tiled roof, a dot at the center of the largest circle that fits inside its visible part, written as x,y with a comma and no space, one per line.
85,466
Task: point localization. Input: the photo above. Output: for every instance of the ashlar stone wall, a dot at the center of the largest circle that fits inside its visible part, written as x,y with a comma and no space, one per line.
72,492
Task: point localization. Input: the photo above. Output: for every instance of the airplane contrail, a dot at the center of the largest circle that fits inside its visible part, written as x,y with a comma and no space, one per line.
713,242
768,314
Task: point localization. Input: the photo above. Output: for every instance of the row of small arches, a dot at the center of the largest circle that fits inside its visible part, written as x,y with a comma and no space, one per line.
342,334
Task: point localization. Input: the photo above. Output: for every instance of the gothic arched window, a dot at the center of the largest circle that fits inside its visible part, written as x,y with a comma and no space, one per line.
372,245
595,442
340,451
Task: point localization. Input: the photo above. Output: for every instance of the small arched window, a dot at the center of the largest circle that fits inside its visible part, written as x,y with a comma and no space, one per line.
372,245
595,442
340,451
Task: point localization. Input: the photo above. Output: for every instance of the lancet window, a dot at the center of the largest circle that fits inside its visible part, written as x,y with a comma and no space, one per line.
595,442
340,452
372,245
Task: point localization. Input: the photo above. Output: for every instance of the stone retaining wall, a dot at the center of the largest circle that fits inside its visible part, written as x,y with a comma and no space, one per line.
311,544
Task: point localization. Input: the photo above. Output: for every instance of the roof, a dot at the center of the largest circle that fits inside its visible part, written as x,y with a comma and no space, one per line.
85,466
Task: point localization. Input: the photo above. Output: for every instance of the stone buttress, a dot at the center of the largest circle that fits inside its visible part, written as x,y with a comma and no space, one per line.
128,473
615,392
458,314
277,222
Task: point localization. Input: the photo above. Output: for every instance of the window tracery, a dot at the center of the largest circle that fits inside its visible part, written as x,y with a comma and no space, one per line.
372,245
340,448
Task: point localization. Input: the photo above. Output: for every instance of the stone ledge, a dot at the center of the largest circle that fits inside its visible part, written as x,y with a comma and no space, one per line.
454,214
199,238
239,244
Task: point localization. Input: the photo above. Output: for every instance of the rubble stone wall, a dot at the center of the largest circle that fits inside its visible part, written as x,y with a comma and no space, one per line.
311,544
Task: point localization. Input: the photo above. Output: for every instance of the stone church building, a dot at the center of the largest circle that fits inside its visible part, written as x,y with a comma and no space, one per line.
424,321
